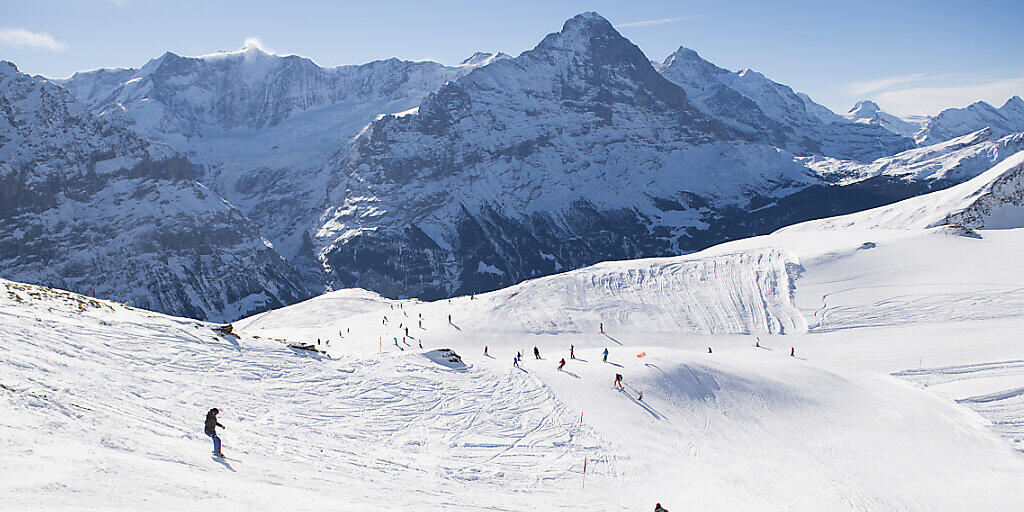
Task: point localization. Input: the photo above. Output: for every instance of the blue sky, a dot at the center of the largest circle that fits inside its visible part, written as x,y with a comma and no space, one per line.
913,57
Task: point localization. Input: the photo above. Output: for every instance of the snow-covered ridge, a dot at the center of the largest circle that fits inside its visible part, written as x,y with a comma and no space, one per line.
953,161
992,200
753,104
954,122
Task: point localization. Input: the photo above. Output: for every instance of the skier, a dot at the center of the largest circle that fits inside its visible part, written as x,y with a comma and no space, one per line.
641,397
572,355
618,381
485,350
561,364
449,318
211,430
421,344
659,508
536,352
792,351
421,324
406,331
515,361
709,350
602,327
605,355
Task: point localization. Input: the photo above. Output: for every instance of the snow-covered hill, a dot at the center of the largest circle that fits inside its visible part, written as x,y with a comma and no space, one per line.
954,122
868,112
88,205
753,104
903,392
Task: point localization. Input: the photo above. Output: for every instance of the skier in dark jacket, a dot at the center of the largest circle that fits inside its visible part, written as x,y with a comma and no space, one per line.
659,508
536,352
211,430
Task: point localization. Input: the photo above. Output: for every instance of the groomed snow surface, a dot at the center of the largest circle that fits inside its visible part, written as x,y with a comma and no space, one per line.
904,391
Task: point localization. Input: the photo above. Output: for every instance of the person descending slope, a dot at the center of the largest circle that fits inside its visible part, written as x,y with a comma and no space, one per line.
515,361
605,355
536,352
659,508
618,381
572,353
485,350
211,430
561,364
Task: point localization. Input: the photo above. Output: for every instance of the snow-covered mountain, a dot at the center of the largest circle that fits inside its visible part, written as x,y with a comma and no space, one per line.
414,178
86,204
868,112
772,112
575,152
259,126
954,122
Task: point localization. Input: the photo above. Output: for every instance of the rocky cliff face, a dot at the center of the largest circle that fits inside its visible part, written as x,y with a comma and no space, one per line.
90,206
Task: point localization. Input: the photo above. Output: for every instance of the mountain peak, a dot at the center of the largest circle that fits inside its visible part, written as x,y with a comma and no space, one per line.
484,58
1015,102
8,68
864,108
580,33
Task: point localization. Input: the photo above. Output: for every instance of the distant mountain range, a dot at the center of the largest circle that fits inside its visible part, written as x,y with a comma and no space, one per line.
223,185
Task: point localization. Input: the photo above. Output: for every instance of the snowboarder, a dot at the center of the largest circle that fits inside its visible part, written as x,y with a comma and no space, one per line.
618,381
485,350
561,364
605,355
572,355
211,430
536,352
659,508
792,351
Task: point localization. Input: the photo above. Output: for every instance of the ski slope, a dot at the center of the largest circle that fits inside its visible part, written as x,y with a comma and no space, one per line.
905,391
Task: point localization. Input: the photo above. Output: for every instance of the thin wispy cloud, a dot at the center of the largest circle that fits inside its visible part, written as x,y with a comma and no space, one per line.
648,23
928,94
869,86
21,38
931,100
